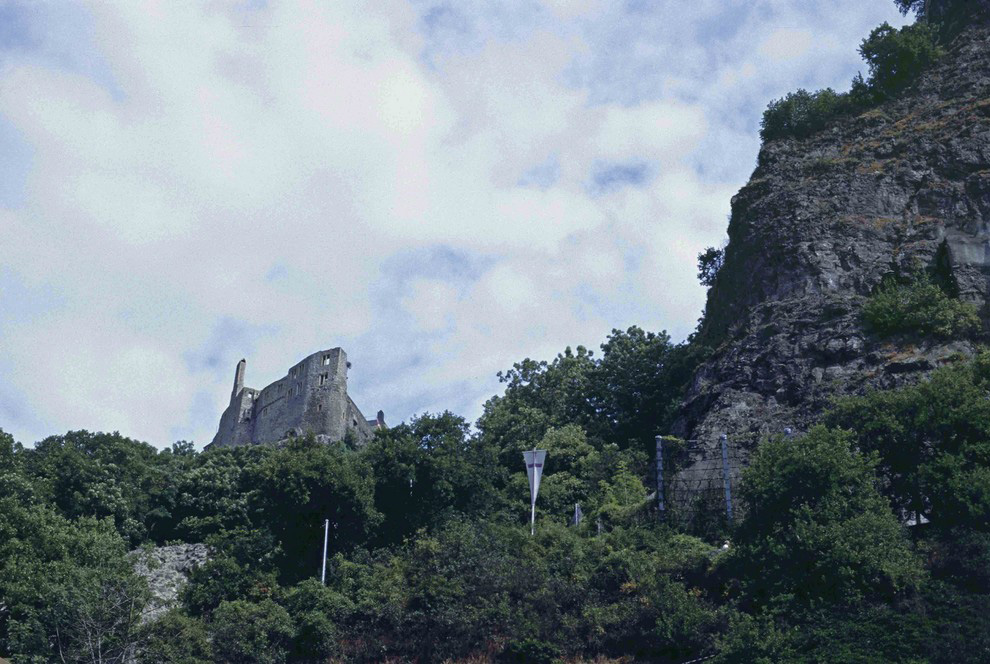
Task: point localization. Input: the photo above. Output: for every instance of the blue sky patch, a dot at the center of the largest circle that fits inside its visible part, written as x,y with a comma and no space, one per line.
542,176
609,176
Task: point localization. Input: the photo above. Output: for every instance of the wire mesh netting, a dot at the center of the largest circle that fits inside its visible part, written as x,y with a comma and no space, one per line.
699,481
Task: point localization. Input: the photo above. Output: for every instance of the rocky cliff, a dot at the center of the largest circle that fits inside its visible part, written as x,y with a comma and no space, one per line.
816,229
167,570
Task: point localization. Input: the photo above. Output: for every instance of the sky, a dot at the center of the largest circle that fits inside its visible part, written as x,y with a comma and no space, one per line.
442,188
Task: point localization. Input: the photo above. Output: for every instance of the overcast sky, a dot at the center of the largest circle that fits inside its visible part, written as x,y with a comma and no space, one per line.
441,188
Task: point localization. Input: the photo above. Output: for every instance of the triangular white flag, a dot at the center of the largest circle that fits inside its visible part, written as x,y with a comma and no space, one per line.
534,469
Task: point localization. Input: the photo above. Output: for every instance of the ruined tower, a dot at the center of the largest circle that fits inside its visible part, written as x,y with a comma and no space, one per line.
310,399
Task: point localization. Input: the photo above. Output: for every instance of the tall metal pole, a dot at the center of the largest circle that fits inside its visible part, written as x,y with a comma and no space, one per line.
326,536
726,480
660,504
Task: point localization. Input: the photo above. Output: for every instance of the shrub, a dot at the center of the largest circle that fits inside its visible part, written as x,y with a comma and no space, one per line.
894,57
532,651
176,638
250,633
801,113
919,306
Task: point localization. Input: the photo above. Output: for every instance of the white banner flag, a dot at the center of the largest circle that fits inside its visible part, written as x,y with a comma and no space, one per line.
534,468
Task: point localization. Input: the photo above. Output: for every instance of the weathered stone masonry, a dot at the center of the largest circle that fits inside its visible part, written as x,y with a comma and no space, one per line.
311,398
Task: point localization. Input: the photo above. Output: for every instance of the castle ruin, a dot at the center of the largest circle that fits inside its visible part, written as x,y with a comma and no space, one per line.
310,399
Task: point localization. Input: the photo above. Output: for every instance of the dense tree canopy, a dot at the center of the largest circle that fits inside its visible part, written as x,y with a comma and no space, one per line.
430,553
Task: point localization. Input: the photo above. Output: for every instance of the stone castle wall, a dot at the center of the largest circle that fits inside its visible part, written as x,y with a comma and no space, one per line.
310,398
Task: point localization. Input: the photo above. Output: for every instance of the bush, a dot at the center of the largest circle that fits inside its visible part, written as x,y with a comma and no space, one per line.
919,306
175,638
247,633
532,651
894,57
801,113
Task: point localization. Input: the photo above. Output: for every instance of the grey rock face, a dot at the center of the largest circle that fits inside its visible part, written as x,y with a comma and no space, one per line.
167,569
821,222
311,399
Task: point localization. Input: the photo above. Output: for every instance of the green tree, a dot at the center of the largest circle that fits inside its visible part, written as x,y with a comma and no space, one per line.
627,397
802,113
896,57
639,384
933,443
709,263
540,395
316,612
251,633
103,475
429,469
295,488
175,638
817,529
67,588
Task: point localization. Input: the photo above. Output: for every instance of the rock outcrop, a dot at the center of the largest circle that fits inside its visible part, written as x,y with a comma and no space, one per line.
816,229
167,569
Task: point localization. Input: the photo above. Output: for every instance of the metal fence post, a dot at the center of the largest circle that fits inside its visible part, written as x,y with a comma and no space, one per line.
726,480
660,501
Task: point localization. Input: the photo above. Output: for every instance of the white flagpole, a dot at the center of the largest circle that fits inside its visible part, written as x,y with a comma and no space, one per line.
326,536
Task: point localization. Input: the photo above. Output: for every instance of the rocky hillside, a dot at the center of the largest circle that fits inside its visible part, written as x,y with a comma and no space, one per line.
823,220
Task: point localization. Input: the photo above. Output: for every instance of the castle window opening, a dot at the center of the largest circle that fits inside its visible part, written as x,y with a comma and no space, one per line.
326,360
319,408
323,377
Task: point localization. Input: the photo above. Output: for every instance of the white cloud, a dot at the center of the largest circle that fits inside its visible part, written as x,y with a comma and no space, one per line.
787,44
216,182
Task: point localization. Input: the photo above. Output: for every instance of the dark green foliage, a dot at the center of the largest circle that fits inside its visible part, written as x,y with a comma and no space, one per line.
251,633
486,588
627,397
802,113
709,263
531,651
101,475
919,306
175,638
297,487
444,568
947,15
640,381
911,5
429,469
231,575
933,443
64,587
854,635
316,611
896,57
817,529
